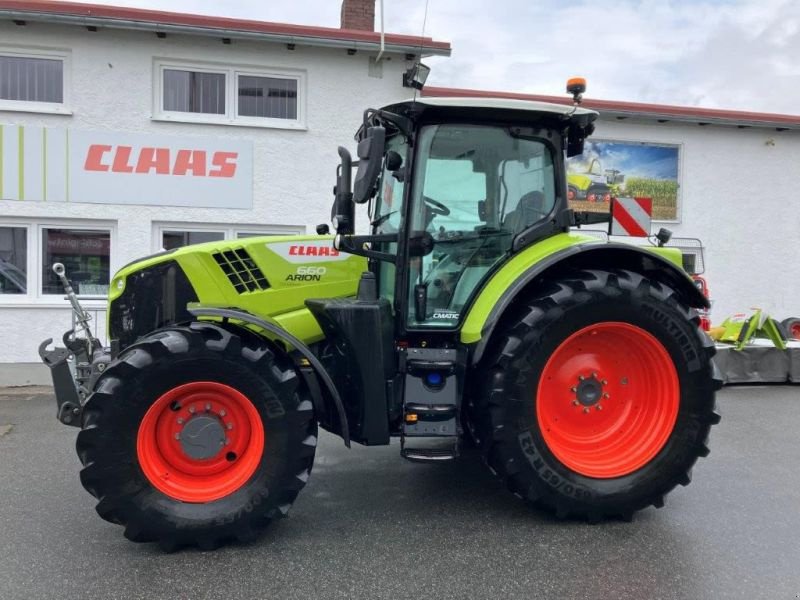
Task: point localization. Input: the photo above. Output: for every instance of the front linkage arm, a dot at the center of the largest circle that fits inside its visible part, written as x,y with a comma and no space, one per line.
90,358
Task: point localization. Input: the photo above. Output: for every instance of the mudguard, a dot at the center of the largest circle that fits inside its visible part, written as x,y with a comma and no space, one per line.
564,252
276,330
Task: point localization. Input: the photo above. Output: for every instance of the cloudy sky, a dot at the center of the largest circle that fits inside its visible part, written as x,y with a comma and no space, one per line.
740,54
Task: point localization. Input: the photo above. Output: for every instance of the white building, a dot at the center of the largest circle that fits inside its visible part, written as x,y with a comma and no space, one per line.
123,131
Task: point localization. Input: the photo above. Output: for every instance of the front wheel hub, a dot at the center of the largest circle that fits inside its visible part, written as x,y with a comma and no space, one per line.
200,441
202,437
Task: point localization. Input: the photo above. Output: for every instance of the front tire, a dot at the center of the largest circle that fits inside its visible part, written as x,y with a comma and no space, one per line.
195,436
599,396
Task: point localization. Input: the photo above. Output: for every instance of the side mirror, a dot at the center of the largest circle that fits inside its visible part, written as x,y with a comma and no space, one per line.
343,210
370,155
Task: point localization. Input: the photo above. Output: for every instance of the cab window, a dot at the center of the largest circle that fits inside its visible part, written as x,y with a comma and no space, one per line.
476,187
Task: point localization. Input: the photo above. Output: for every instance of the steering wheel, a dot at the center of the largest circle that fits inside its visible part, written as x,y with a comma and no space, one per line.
436,207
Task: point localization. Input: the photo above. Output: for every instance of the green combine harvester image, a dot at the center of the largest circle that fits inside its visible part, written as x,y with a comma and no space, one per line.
469,312
593,184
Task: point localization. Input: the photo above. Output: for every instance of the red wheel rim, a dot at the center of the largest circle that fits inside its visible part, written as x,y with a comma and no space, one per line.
162,453
794,330
608,400
590,197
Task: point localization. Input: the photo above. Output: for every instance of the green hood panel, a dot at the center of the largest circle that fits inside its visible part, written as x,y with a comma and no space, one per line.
231,273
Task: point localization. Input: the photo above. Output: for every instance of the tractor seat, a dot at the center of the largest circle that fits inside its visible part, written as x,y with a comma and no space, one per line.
529,209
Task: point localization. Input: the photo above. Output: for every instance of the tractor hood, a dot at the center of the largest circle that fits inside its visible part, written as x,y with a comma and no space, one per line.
267,276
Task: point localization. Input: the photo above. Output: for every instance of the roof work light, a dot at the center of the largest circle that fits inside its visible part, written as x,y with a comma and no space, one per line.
416,76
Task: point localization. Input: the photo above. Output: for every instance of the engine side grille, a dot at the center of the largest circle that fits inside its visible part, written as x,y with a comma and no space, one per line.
241,270
154,297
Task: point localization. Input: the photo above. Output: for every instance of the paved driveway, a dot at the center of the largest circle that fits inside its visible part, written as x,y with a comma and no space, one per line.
370,525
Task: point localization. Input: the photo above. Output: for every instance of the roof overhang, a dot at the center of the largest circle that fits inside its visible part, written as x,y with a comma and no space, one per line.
112,17
610,110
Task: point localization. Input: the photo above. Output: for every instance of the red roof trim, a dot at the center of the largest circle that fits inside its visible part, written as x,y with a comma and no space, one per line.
157,17
633,108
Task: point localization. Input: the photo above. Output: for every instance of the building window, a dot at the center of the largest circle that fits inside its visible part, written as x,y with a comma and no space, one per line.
85,254
229,95
177,239
194,92
33,82
248,234
267,97
168,236
13,260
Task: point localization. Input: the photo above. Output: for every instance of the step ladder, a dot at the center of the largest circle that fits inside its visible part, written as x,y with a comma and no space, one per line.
431,403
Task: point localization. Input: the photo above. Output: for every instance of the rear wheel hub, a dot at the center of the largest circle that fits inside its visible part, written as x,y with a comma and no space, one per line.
589,391
607,400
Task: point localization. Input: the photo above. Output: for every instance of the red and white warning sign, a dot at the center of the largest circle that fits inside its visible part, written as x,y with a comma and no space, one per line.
631,216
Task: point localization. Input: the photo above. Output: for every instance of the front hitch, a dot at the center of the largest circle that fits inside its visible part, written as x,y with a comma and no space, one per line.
67,399
90,358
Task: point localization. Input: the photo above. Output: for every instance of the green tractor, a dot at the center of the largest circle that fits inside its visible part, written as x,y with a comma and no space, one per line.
468,312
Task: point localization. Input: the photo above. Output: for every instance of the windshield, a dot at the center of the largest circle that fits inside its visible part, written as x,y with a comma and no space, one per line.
475,188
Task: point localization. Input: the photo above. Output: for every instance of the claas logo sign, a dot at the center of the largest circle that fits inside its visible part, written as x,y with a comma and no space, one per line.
55,164
307,252
313,251
161,161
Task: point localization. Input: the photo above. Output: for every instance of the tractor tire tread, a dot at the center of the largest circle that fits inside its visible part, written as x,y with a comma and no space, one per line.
489,409
116,493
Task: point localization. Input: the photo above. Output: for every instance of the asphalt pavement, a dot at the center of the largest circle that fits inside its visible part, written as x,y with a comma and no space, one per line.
370,525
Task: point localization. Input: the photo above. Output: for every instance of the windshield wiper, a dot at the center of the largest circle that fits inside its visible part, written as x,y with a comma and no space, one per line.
382,219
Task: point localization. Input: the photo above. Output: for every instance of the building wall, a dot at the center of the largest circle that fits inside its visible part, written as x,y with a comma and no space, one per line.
737,194
737,185
112,89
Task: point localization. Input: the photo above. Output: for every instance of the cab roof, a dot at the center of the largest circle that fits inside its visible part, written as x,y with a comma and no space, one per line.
501,103
419,106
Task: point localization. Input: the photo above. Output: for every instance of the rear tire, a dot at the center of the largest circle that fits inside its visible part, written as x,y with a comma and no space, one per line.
609,333
161,493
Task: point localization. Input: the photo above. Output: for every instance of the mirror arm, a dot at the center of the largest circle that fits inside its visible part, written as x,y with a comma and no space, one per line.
354,244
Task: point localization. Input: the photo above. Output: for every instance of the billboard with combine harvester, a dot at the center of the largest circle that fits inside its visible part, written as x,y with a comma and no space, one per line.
609,168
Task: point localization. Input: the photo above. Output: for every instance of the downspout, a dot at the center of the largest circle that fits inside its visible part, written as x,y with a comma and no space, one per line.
380,54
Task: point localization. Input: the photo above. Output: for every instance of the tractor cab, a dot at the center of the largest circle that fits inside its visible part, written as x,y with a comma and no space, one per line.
454,188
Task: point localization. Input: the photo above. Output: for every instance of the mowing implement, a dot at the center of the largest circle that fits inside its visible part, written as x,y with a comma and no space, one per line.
472,312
